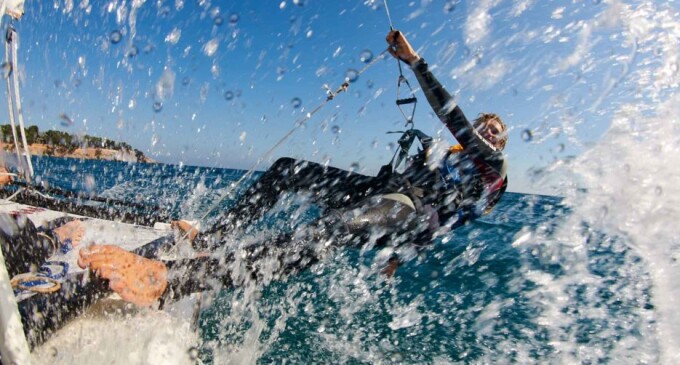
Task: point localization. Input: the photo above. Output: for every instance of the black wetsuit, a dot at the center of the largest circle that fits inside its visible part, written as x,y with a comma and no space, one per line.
463,187
23,246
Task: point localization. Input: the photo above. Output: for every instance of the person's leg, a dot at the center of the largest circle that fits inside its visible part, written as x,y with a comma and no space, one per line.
386,216
329,186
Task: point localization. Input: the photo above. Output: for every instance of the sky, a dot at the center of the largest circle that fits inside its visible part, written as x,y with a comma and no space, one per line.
220,83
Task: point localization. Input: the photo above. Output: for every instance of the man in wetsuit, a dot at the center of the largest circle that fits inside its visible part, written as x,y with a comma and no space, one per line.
428,198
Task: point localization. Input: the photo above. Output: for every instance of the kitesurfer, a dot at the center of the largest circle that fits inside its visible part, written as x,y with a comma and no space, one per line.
430,197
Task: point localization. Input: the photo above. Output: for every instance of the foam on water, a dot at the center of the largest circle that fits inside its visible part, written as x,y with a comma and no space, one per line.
113,332
623,197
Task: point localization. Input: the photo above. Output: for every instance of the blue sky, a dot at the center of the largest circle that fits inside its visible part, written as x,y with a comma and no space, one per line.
225,74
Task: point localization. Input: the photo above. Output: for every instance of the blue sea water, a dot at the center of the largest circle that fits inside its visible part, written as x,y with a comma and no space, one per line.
524,284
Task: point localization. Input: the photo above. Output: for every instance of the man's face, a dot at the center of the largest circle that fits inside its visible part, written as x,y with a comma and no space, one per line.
492,131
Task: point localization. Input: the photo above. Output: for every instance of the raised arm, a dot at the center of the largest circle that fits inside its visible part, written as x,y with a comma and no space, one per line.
440,100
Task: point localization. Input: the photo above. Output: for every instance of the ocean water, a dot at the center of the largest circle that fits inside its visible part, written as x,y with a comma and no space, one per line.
528,283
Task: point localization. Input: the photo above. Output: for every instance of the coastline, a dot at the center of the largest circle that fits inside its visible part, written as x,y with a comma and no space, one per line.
90,153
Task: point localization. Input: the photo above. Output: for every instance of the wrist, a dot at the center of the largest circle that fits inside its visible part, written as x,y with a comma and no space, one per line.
417,63
414,60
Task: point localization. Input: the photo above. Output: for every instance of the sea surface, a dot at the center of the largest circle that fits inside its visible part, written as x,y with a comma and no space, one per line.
528,283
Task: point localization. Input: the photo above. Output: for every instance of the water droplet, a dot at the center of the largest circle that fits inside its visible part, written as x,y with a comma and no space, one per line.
369,84
450,5
115,37
242,137
234,18
604,211
154,140
390,146
53,351
336,129
658,191
228,95
397,357
527,136
6,69
354,167
295,103
238,93
218,20
157,106
134,51
174,36
210,48
560,147
366,56
351,75
264,118
65,120
299,2
186,81
89,182
193,353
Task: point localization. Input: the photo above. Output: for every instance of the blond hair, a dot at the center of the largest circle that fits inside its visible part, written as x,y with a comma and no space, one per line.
487,117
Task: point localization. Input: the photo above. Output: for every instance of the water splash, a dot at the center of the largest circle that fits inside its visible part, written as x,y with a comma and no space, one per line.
115,37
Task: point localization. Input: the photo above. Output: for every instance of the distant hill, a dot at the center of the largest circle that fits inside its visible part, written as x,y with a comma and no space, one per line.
62,144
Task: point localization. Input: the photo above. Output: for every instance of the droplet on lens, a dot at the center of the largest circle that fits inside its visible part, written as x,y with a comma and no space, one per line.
157,106
299,2
66,121
234,18
658,190
366,56
354,167
134,51
336,129
450,6
6,69
351,75
527,136
228,95
295,103
218,20
186,81
193,353
115,37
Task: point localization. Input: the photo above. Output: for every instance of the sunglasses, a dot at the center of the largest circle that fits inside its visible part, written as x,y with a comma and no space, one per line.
492,128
